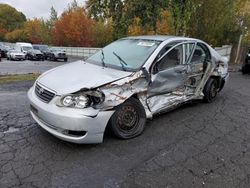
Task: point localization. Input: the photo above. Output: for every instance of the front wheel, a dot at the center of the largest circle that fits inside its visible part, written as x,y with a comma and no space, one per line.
129,119
211,90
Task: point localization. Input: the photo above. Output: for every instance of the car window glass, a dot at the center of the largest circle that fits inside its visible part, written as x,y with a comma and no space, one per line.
171,59
134,52
165,49
200,55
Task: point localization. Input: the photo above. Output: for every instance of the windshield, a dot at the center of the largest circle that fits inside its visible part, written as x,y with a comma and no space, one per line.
27,48
45,47
56,50
126,54
36,51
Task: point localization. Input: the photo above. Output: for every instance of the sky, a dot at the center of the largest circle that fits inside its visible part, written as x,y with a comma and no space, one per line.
39,8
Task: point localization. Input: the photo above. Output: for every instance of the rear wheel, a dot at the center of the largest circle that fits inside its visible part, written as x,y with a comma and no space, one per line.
129,119
211,90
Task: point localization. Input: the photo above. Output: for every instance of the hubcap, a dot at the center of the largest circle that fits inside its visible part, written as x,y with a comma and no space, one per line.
127,118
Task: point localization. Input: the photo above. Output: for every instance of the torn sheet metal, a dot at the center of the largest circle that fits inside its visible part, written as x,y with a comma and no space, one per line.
118,92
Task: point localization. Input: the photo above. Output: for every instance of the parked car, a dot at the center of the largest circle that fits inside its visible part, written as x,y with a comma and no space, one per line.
4,50
55,54
43,48
15,55
34,55
123,84
23,47
246,65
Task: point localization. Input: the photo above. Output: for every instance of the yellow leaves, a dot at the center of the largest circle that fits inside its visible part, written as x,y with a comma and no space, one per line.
103,33
16,35
135,28
162,26
33,29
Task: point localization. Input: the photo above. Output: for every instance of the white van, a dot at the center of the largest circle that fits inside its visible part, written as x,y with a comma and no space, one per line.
23,47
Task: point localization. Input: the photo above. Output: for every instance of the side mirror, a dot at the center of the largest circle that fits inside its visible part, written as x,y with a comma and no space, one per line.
146,74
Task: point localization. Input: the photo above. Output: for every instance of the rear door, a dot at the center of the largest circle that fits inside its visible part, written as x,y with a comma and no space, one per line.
197,65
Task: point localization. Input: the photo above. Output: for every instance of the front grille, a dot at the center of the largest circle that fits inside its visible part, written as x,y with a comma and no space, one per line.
44,94
61,54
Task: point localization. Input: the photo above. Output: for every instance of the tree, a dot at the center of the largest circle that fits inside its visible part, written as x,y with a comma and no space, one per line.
163,23
102,10
18,35
10,18
102,33
147,11
53,18
73,28
181,12
215,23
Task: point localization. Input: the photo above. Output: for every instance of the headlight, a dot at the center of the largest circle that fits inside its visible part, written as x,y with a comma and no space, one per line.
82,99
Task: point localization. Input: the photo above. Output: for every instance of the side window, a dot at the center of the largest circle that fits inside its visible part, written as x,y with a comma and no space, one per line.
171,59
201,54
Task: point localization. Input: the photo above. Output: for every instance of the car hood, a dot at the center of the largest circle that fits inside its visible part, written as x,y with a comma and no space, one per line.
17,53
72,77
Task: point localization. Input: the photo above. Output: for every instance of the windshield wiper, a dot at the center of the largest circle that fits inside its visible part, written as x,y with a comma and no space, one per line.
103,57
122,62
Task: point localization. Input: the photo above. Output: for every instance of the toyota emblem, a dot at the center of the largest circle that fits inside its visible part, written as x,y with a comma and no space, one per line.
41,90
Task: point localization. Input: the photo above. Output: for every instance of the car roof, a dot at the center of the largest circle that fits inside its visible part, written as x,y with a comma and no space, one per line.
159,37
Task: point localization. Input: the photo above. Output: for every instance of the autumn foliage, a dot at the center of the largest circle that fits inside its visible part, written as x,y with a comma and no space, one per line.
100,22
74,28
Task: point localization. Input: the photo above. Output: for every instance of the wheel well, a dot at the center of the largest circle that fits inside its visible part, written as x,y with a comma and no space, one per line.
107,129
135,96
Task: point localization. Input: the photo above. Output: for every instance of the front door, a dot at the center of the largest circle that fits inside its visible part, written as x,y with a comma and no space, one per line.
169,76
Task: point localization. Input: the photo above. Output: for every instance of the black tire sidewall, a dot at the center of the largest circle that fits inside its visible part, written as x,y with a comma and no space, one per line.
135,103
208,96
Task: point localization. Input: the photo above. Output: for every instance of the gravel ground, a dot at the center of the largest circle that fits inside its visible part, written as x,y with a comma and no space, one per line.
197,145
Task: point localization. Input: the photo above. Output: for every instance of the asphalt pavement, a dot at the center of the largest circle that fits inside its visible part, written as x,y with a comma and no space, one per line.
27,66
196,145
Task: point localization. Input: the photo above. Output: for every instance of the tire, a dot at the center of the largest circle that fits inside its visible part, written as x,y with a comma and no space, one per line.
129,119
244,70
66,59
211,90
54,58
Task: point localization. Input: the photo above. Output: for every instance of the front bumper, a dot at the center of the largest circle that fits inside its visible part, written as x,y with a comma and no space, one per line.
59,121
18,57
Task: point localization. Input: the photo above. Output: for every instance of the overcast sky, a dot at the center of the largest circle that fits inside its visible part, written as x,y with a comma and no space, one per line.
39,8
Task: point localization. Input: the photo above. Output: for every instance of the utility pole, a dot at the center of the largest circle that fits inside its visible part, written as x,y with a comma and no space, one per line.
238,49
239,44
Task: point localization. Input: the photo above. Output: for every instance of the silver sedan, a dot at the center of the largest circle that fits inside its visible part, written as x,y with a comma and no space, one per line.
123,84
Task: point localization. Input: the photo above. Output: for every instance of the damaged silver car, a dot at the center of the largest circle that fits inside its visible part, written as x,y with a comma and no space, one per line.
125,83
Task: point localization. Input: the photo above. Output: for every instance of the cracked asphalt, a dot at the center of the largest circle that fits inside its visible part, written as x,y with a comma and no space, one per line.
197,145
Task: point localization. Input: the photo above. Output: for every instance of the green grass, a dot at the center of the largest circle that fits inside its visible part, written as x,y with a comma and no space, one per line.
4,79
